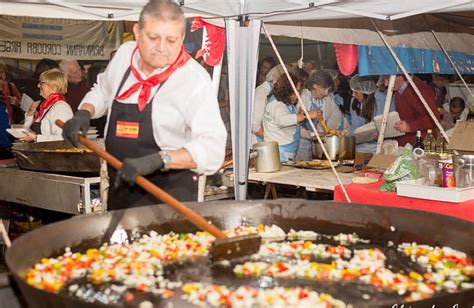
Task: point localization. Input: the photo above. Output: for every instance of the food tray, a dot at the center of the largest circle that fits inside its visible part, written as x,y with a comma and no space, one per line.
415,189
315,164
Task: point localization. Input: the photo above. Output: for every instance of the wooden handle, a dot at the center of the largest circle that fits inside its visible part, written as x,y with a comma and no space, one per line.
194,217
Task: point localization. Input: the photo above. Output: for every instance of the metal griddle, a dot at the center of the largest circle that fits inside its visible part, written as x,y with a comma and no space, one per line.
35,157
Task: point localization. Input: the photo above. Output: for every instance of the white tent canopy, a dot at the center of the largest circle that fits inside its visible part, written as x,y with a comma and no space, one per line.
266,10
313,19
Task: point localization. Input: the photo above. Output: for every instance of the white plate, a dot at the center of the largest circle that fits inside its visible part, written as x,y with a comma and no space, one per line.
92,131
92,136
18,132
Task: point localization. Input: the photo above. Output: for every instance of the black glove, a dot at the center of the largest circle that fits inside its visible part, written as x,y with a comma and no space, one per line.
132,167
80,122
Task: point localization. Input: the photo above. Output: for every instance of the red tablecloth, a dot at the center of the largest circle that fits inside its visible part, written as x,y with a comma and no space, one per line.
370,194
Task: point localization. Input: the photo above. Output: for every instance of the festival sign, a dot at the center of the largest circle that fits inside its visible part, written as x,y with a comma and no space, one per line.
38,38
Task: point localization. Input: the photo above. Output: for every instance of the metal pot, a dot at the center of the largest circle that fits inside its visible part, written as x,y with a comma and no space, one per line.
338,148
268,156
463,170
332,147
347,147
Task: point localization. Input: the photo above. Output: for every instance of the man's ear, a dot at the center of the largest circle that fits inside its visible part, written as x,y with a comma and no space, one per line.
136,31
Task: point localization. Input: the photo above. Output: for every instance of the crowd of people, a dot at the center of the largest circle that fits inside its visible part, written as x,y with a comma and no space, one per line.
53,91
345,103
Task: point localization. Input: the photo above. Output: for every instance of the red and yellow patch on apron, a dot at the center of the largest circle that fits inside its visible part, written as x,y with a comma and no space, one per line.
127,129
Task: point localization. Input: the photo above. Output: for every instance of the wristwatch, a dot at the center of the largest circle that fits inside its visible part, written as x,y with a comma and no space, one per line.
165,156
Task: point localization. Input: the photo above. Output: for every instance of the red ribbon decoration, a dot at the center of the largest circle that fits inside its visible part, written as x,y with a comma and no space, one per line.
214,43
148,84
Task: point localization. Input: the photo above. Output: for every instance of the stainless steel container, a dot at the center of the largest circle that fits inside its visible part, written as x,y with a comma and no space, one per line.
464,170
268,156
347,147
332,144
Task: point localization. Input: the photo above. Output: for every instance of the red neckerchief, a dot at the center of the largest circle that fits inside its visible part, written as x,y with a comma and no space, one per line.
50,101
152,81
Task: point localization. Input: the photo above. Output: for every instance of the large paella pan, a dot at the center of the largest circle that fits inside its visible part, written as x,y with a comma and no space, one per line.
386,228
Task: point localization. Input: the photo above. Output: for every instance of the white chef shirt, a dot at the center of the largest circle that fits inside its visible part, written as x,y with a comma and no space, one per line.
185,110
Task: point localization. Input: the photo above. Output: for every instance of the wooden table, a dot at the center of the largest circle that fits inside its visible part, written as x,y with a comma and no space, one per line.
312,180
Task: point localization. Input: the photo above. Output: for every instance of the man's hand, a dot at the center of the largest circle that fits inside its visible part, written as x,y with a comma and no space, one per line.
402,126
79,123
132,167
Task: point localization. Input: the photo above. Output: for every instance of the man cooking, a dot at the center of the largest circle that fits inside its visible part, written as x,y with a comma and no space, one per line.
163,117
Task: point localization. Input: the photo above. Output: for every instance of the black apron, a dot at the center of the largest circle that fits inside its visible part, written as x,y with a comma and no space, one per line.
181,184
36,126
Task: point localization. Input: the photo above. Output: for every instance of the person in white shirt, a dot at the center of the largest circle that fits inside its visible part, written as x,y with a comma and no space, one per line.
262,97
41,121
282,119
163,117
316,97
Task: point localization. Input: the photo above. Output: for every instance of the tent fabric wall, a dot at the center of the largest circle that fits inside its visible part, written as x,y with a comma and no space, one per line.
242,57
375,60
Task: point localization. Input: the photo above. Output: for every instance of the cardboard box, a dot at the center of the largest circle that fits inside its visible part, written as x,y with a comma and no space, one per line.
381,161
462,138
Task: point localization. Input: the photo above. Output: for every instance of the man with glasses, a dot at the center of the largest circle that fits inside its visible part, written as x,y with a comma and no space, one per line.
77,87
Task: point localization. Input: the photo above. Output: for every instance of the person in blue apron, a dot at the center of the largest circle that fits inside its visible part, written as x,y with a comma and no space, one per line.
163,118
41,115
282,119
317,97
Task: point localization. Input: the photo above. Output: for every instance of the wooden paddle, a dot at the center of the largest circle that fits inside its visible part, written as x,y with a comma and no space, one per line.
222,248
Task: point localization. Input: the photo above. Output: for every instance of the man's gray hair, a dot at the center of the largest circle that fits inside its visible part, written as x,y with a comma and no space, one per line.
65,64
165,10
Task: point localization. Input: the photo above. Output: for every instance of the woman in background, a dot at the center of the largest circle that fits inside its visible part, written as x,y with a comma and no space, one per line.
364,108
53,86
282,119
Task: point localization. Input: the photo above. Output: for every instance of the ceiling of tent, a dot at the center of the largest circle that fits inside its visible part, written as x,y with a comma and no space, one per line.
312,19
268,10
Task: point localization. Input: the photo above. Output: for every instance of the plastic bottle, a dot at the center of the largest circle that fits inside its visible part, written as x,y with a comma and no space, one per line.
429,143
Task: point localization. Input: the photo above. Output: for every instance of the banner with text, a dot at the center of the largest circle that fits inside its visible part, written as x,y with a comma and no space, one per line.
38,38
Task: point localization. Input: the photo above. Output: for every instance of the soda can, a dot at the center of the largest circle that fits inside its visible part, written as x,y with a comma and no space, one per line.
447,173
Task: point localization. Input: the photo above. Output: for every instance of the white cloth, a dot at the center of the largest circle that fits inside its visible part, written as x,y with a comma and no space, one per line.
49,130
278,123
259,104
185,110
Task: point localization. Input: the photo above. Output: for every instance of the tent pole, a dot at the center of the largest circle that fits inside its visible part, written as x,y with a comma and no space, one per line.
409,79
448,57
305,111
386,109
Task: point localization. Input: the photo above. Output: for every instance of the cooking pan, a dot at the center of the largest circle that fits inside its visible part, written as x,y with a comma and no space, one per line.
35,156
379,224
